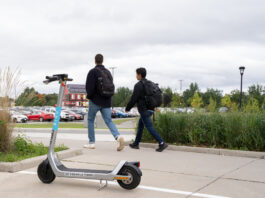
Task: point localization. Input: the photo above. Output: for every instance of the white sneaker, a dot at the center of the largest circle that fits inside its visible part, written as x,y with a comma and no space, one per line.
89,146
121,143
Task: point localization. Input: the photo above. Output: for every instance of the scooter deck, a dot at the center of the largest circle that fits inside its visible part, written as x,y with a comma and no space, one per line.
63,168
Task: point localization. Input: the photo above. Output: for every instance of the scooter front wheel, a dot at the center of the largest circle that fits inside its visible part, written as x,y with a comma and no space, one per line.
45,172
134,180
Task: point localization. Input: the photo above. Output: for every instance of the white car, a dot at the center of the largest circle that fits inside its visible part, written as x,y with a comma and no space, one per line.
16,117
65,116
51,110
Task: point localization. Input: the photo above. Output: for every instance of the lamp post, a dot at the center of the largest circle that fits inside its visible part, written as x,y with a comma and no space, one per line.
241,69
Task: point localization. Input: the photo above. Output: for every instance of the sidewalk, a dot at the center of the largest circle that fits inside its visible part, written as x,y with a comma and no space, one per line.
167,174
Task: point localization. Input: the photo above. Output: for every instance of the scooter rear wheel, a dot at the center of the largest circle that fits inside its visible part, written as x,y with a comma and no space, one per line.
45,172
135,178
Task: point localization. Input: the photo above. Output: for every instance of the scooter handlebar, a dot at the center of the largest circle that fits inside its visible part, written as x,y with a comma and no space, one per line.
50,79
57,77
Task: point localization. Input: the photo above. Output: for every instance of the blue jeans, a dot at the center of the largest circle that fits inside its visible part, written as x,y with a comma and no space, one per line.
106,114
145,120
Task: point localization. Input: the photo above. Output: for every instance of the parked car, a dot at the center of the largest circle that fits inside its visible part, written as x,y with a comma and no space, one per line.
121,114
83,113
65,116
190,110
18,117
223,109
114,114
51,110
134,112
75,115
41,116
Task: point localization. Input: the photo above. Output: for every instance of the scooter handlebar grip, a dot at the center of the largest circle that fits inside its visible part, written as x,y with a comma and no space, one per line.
50,79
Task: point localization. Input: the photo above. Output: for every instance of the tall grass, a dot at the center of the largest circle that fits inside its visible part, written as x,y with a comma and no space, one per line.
9,80
235,130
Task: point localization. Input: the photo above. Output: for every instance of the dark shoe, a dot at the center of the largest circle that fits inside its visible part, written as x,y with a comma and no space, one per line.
162,147
133,146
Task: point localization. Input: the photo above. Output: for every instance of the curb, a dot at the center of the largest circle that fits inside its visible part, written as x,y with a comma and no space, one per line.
224,152
31,162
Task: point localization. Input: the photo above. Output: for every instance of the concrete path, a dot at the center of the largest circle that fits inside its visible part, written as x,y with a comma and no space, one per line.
74,134
168,174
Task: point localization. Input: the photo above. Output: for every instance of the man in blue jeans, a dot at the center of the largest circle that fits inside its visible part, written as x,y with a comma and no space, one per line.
100,102
138,98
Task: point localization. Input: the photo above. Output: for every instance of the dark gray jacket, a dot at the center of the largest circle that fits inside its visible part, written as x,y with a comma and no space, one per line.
138,97
91,88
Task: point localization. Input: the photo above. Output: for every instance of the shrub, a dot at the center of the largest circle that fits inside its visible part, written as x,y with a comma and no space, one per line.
8,82
233,130
5,131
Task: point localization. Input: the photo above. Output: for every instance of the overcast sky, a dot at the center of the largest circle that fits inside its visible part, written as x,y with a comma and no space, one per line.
203,41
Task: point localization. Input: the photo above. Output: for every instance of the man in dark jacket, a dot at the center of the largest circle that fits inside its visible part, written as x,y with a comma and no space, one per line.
138,98
97,102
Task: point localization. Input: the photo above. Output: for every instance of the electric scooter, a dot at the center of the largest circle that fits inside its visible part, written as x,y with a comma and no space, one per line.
127,174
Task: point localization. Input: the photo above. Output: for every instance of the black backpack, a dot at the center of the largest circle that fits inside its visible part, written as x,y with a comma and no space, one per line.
105,86
153,94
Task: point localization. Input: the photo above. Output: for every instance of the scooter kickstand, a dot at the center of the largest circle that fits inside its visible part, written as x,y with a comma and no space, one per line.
101,186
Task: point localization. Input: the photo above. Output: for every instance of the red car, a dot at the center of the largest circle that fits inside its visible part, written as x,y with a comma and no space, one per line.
76,115
41,116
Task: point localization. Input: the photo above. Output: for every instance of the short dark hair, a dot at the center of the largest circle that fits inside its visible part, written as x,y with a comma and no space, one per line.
141,71
99,59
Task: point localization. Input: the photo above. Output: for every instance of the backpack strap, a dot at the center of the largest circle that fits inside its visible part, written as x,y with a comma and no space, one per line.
101,72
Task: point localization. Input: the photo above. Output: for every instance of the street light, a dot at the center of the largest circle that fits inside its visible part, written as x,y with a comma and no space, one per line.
241,69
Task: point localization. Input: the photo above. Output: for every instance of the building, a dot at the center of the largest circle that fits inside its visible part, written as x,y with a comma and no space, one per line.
75,96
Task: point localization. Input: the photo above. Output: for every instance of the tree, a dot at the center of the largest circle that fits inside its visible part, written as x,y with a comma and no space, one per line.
167,96
252,105
51,99
235,97
256,91
121,97
226,102
176,100
212,105
215,94
196,101
189,93
30,97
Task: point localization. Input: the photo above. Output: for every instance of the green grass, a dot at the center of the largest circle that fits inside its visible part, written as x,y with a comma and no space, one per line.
23,148
118,122
65,125
49,125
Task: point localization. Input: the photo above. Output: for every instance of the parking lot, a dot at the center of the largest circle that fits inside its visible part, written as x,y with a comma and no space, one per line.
68,114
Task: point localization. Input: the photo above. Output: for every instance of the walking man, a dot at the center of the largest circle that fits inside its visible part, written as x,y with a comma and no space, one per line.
100,89
138,98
